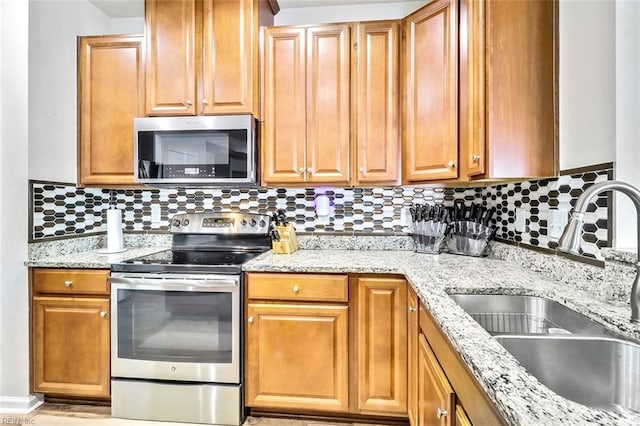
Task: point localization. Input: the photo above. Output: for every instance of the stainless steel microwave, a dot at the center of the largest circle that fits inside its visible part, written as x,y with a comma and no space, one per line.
191,151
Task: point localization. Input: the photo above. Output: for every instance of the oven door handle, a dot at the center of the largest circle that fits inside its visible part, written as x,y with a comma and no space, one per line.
173,284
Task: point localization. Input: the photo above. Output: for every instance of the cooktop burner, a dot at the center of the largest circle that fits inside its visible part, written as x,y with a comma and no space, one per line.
187,261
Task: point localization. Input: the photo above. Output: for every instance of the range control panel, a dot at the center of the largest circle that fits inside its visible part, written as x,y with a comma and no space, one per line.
219,223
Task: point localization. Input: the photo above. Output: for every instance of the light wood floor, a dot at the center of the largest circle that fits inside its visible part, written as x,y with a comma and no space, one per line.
85,415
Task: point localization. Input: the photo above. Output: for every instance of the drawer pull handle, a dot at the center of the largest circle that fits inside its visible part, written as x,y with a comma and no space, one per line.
250,320
296,289
68,283
103,314
441,413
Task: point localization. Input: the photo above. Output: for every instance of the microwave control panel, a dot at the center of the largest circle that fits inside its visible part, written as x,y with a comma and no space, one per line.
192,171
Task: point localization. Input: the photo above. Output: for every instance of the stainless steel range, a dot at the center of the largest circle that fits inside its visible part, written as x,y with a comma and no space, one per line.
176,316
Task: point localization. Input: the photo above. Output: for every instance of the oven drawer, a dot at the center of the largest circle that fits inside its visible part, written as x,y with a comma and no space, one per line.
301,287
70,281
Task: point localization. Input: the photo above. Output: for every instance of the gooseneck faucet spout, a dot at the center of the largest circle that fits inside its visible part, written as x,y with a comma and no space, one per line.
571,237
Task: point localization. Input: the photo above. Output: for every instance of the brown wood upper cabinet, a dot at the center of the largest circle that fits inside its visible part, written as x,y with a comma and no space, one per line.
376,107
202,56
306,105
430,73
508,89
110,95
331,104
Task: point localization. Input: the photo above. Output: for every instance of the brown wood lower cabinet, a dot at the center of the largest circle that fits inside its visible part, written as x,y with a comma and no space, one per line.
436,399
379,345
297,356
70,333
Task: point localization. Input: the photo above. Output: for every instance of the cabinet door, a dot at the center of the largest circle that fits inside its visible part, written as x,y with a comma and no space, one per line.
71,346
412,354
435,396
472,87
430,137
284,130
328,106
380,345
297,356
461,417
228,46
111,94
170,57
377,144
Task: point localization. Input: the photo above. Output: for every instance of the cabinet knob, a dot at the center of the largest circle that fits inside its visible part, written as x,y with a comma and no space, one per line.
189,102
205,102
451,164
361,169
309,170
301,170
103,314
441,413
250,320
475,158
412,309
296,289
68,283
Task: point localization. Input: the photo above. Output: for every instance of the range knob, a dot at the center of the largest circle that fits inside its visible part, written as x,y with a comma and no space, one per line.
253,223
262,223
185,222
244,222
176,222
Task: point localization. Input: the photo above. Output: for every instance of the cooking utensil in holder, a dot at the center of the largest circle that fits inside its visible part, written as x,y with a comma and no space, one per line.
287,242
429,236
469,238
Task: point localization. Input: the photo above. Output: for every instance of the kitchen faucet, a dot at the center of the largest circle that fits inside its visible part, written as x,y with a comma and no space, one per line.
572,236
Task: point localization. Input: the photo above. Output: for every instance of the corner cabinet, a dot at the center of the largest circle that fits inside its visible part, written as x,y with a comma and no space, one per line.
110,95
430,75
331,104
70,333
202,56
508,89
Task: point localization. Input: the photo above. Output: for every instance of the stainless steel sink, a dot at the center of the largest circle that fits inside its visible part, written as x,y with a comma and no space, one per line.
568,352
507,314
596,371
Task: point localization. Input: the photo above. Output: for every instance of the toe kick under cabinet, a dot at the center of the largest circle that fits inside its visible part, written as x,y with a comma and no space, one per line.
326,343
70,333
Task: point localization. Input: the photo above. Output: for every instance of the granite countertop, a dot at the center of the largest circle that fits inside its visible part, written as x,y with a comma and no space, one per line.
90,258
520,397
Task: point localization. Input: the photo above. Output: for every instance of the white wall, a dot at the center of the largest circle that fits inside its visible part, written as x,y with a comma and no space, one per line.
53,28
587,82
126,26
627,117
347,13
14,295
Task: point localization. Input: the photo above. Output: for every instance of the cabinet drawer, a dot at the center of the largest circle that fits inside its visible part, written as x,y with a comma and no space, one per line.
301,287
70,281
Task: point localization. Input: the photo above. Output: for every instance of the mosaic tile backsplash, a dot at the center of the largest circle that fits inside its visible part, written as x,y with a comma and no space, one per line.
61,210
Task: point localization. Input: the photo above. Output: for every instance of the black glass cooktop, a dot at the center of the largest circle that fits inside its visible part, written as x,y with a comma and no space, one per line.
187,261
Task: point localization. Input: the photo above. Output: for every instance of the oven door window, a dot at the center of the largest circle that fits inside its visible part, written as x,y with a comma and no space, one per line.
194,154
175,326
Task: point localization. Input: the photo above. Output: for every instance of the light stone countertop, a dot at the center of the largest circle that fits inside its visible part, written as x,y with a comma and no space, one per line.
89,259
520,397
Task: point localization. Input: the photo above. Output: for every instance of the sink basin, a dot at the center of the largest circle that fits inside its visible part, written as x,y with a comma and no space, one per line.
507,314
599,372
